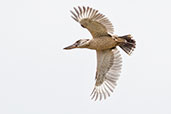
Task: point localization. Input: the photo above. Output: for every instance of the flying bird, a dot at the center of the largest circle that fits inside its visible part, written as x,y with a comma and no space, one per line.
109,61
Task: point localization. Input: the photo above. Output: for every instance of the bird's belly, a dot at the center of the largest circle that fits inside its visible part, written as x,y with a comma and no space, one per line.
102,43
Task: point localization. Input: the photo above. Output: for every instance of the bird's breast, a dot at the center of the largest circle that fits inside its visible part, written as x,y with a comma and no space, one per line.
102,43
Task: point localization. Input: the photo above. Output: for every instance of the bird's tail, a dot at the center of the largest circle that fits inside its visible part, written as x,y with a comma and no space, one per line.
129,44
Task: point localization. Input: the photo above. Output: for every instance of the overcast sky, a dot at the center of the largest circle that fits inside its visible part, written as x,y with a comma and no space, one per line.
38,77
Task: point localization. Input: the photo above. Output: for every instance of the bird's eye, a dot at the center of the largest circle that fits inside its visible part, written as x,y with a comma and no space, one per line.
83,26
78,41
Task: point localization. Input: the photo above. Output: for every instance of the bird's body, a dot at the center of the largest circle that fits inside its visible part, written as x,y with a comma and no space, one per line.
104,42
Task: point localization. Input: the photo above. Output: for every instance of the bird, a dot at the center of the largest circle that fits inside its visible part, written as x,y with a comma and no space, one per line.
109,60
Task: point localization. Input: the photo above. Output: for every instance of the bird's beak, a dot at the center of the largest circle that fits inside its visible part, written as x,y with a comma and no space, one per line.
71,46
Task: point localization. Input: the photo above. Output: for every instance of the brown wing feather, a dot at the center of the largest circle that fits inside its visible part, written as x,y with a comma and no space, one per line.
97,24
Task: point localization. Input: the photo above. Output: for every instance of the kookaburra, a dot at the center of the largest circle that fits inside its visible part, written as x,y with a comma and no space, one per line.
105,43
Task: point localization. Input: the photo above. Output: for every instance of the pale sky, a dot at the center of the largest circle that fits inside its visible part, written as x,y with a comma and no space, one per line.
38,77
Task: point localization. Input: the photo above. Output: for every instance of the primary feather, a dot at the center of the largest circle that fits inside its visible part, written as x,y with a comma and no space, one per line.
95,22
108,71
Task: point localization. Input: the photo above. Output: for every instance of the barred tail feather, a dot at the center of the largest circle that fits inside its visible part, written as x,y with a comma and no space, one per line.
129,45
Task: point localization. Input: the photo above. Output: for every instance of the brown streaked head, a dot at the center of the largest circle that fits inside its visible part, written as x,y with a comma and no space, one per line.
78,44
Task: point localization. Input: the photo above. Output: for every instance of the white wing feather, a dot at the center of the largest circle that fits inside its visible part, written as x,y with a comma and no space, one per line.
108,71
92,15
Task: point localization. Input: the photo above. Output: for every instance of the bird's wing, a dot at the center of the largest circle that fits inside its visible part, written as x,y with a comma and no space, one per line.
108,71
97,24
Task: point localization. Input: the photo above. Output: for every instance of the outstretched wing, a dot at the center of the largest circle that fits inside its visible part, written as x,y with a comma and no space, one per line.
97,24
108,71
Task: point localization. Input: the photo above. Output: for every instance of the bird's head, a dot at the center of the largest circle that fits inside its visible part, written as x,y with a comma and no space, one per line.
82,43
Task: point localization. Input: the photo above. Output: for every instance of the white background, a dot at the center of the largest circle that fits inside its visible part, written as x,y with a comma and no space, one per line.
38,77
